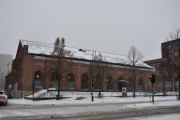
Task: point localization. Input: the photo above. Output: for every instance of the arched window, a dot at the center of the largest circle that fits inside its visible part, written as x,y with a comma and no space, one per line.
84,81
54,80
97,83
120,78
140,85
109,83
71,81
38,78
121,83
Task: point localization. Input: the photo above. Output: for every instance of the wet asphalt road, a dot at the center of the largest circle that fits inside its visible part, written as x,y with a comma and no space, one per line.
108,111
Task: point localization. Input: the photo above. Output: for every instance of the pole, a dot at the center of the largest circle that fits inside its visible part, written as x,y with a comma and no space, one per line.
153,93
92,82
33,87
60,54
134,82
58,96
164,89
179,90
92,77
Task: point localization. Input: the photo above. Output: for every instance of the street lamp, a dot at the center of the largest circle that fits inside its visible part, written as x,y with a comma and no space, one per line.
92,76
152,80
179,86
91,71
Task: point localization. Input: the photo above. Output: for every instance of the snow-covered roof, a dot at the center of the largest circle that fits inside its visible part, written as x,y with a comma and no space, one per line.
47,49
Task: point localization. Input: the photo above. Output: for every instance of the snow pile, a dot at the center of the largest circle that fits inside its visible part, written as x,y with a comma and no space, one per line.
52,93
47,49
38,94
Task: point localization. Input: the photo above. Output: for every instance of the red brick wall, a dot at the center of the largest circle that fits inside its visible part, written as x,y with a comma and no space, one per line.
29,65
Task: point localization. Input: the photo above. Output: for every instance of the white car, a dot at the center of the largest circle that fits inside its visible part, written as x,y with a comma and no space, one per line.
3,97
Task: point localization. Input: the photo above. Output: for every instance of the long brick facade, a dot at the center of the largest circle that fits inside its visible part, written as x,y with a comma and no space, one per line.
77,73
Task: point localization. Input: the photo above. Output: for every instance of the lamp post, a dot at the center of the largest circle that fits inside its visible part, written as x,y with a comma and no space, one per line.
134,77
179,90
152,80
92,76
179,84
33,87
91,71
100,70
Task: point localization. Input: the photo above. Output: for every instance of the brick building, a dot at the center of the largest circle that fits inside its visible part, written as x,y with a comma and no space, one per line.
34,62
168,67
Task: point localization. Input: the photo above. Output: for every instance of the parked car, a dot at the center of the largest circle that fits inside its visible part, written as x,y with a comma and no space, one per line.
3,97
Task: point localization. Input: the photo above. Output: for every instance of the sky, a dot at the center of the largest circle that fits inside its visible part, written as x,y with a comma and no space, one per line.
105,25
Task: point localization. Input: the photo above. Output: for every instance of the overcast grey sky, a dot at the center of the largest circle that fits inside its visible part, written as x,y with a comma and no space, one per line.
106,25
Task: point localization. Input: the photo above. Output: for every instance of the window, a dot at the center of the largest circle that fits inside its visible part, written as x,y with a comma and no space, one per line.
121,83
109,83
71,81
38,77
97,83
54,80
84,81
140,85
176,52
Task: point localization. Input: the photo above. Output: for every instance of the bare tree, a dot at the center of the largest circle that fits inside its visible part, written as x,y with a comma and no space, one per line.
174,35
134,56
61,53
98,69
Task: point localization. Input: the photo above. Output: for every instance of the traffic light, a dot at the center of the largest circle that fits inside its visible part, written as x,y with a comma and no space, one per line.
153,79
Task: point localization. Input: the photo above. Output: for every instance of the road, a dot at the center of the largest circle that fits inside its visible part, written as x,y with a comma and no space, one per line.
107,111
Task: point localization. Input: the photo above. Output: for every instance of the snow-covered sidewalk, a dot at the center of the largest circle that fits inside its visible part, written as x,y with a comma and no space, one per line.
87,100
71,106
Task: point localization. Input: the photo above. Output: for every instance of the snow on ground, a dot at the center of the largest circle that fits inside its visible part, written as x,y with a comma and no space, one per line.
87,100
127,103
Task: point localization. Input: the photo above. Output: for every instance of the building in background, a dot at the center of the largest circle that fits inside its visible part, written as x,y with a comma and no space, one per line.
168,67
36,67
9,65
4,60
